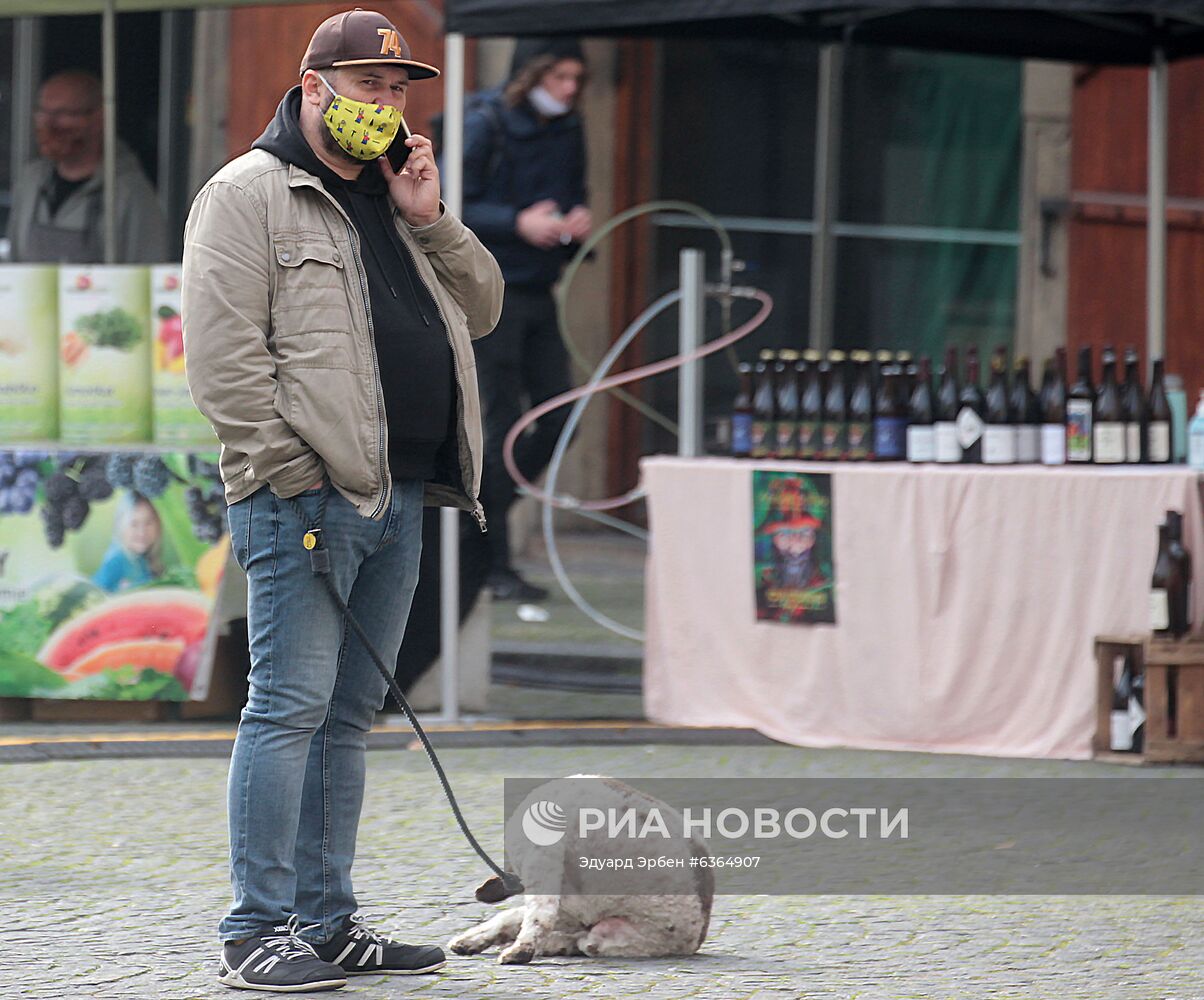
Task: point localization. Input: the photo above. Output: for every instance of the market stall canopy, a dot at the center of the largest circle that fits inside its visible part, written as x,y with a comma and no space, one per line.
46,8
1120,31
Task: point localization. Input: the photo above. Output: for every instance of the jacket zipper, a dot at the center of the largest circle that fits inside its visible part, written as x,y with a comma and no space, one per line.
477,511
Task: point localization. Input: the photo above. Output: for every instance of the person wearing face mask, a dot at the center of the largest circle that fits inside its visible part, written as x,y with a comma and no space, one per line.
58,200
329,307
525,196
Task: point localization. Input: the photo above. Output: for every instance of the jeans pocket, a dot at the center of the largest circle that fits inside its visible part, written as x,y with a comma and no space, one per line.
238,516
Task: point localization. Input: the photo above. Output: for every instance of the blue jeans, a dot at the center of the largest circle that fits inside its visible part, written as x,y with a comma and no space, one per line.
297,773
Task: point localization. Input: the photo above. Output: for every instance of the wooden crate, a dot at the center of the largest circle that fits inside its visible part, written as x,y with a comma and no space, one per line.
1174,700
1107,648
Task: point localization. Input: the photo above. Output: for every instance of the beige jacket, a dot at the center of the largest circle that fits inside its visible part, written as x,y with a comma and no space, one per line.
278,337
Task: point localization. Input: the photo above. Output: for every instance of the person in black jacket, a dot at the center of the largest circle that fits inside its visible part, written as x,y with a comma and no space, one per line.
525,198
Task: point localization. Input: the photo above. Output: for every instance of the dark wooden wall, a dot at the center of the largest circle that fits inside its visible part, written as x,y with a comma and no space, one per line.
267,43
1107,281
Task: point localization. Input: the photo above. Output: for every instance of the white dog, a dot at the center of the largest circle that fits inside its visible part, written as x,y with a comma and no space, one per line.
653,924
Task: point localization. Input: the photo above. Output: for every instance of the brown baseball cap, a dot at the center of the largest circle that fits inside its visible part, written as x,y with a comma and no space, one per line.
357,37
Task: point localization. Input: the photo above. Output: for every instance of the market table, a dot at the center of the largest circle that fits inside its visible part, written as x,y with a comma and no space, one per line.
966,597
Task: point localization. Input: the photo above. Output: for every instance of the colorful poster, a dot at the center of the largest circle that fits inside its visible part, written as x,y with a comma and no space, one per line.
109,567
178,423
104,354
29,329
794,567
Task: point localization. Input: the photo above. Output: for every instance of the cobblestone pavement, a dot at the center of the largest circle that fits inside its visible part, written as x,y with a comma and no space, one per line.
112,878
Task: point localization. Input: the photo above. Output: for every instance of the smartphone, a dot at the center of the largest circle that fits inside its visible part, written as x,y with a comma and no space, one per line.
398,152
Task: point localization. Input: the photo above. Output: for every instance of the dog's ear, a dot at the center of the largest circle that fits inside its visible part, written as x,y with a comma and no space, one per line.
493,890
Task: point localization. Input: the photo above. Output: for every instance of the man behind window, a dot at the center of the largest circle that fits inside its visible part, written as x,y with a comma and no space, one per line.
58,200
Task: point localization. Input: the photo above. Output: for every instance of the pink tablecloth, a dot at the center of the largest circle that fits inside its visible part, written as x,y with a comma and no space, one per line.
967,600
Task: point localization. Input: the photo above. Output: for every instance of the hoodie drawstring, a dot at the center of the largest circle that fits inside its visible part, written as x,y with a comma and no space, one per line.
406,265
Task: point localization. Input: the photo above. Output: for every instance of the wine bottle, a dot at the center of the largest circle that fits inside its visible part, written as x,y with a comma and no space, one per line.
1133,404
1122,690
1080,407
861,409
921,435
945,425
836,412
999,436
764,409
787,404
890,417
1108,419
1158,429
811,407
1167,591
1180,605
1026,411
742,413
970,409
1053,427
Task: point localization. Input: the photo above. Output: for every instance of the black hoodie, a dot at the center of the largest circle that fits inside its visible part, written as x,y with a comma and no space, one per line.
412,347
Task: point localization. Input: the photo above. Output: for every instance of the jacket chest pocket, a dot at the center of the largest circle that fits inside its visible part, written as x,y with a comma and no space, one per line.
311,288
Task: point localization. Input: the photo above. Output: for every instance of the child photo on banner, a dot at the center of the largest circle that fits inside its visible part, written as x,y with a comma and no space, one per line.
794,569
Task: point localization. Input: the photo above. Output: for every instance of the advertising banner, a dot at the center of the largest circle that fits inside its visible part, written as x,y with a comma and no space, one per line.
177,422
29,391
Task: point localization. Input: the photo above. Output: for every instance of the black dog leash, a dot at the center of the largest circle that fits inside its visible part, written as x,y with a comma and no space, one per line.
319,561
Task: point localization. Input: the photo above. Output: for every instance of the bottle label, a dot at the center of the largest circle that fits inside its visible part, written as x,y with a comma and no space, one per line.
921,443
1028,443
742,434
1160,613
859,439
1160,441
969,428
1053,444
947,447
890,438
1078,430
834,441
1195,449
809,440
787,439
762,438
1133,443
1122,732
999,445
1109,448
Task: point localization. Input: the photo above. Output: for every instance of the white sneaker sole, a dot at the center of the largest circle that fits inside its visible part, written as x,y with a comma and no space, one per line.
234,980
396,972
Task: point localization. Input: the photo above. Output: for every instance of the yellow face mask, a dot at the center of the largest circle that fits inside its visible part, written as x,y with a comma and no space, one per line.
365,131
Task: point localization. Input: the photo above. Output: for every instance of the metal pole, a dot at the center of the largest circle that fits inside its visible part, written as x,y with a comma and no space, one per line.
449,518
1156,217
168,30
826,194
691,321
109,74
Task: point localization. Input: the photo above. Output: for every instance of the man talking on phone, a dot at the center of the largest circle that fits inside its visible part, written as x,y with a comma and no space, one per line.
330,302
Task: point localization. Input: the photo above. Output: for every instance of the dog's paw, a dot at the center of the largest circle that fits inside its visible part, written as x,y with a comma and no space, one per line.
516,954
465,944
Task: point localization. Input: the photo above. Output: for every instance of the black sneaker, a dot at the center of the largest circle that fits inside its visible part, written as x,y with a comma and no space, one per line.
507,585
358,951
278,962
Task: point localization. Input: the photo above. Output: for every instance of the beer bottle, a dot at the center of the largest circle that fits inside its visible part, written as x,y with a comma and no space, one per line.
1080,409
999,436
836,411
811,406
1053,427
908,371
1133,405
1108,420
786,385
861,409
945,427
890,417
970,409
764,409
1180,604
1158,430
921,435
742,413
